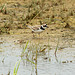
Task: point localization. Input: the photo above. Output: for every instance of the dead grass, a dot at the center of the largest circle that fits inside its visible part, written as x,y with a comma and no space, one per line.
15,14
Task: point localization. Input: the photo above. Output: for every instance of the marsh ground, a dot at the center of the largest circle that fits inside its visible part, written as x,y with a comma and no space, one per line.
59,15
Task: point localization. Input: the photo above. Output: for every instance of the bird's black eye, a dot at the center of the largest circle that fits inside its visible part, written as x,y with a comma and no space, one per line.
45,25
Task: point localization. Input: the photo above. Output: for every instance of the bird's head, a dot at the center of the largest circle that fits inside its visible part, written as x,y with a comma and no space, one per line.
44,26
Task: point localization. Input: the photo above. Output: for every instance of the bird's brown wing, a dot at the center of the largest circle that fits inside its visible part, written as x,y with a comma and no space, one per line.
35,28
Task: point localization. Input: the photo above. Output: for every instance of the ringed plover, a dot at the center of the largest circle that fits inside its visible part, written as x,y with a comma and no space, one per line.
38,29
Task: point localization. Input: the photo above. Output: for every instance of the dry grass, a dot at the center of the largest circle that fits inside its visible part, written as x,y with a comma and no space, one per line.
15,14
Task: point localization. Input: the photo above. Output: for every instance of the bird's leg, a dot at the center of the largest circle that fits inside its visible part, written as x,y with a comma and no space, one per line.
39,35
33,34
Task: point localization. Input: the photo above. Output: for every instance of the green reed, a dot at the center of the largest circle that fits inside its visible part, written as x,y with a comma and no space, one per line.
22,54
16,67
56,50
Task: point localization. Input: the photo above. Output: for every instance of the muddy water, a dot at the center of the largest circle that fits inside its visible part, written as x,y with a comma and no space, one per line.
48,64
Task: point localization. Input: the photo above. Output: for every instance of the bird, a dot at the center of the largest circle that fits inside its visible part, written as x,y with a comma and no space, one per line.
38,28
45,26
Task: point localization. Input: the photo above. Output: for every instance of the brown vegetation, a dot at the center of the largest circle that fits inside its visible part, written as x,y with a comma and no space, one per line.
16,14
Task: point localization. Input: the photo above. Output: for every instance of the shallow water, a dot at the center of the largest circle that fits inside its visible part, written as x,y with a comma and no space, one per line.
10,54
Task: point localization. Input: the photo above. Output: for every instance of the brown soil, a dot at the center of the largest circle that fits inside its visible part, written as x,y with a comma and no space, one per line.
58,14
